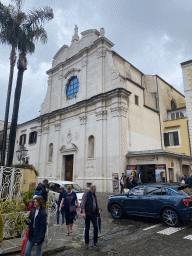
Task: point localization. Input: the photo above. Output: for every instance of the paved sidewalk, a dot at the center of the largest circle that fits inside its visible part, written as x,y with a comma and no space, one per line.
56,238
57,241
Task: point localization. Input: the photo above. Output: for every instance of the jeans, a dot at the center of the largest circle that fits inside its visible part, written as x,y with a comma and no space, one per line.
29,246
92,218
62,213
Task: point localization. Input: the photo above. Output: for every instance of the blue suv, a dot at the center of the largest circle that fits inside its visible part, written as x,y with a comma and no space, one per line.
170,203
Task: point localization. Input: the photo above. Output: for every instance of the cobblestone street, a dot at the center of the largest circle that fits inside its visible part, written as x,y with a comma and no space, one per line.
136,236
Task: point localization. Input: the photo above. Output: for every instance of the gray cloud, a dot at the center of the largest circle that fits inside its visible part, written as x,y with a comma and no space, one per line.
155,36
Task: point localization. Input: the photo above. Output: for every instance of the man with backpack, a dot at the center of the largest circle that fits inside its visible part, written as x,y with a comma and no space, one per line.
42,190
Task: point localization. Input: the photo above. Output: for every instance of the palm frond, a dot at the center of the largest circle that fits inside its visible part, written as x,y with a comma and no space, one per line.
39,16
18,4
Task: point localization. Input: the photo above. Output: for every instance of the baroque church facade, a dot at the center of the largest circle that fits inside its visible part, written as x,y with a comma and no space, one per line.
98,112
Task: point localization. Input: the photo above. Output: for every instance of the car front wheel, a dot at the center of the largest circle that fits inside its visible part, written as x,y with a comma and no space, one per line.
116,211
170,217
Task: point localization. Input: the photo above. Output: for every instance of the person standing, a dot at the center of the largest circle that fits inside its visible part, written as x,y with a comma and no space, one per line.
69,198
62,192
31,204
37,227
1,230
42,188
122,182
90,211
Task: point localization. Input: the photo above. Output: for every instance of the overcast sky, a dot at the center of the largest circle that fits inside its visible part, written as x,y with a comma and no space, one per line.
153,35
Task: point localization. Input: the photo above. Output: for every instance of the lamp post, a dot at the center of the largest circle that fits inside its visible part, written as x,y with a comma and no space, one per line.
22,154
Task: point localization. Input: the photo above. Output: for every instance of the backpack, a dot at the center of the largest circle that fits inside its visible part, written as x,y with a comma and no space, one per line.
37,193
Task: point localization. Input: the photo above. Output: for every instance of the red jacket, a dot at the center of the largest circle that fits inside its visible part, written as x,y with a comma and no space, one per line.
30,206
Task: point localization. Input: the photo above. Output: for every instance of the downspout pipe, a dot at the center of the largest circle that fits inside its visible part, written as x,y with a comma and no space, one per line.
159,112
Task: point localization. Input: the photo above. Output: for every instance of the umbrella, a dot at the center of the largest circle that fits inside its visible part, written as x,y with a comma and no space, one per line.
99,220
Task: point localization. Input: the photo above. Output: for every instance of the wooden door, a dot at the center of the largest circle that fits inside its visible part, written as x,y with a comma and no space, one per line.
69,168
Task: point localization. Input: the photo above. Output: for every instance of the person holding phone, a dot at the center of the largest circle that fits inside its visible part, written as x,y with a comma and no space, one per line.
37,222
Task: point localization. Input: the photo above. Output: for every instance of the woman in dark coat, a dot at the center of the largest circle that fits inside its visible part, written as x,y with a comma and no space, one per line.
37,227
69,199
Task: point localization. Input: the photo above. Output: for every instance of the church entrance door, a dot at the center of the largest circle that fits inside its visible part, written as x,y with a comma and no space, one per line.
69,167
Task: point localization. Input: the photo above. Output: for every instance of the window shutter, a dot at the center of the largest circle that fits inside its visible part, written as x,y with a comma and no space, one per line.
30,138
176,138
166,139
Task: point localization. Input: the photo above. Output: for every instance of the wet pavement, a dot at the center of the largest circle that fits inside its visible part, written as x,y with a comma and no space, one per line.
131,235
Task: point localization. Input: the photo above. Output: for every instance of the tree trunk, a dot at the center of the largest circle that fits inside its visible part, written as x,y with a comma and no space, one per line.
12,65
22,66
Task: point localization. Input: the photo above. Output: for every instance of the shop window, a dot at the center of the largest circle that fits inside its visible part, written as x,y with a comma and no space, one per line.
50,152
33,137
72,88
171,139
22,139
91,142
136,100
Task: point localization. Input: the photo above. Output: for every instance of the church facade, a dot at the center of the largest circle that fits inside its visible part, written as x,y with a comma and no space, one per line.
99,115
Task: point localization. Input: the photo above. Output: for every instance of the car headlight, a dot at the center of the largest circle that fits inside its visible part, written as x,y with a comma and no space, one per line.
110,196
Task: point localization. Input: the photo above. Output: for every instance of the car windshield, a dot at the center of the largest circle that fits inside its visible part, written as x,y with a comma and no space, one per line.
76,188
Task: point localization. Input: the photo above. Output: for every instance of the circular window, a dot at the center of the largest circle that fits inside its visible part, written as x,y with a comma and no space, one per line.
72,88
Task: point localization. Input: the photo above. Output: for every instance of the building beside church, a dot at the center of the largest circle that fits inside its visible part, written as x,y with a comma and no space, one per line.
101,117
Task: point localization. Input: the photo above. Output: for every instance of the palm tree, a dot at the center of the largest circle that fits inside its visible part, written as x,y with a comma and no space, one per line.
8,35
30,29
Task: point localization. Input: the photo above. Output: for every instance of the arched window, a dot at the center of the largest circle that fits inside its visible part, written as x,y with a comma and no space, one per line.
72,87
91,141
50,152
173,104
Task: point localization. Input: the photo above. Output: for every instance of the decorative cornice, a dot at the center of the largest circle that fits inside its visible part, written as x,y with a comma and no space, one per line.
83,119
101,115
102,40
119,111
117,92
157,152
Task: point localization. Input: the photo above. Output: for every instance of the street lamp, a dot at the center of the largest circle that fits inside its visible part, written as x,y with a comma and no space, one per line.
21,153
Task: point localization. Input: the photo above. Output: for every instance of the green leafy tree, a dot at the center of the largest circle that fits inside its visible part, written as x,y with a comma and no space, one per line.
8,35
30,29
